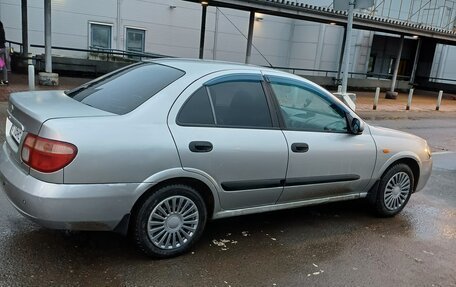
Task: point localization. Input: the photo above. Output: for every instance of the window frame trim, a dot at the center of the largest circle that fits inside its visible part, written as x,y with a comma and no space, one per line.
284,80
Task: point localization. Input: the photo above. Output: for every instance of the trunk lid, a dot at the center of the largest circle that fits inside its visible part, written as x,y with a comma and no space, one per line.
27,111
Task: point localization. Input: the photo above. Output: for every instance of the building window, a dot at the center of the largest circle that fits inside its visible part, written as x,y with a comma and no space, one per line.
135,40
100,36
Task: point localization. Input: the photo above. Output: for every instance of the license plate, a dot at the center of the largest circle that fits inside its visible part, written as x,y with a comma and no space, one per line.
15,132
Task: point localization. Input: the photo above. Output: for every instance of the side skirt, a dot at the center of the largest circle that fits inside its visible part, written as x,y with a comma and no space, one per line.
288,205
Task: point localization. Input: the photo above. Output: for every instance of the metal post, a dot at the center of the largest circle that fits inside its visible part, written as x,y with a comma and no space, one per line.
250,37
341,57
377,95
203,30
348,46
391,94
25,43
214,49
439,100
396,65
409,100
31,77
47,35
415,62
118,29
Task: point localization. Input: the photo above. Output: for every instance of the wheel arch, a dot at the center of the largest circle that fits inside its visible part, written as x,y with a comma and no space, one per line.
200,186
411,162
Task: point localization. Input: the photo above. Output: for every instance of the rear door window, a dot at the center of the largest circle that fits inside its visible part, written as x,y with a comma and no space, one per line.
240,104
197,110
124,90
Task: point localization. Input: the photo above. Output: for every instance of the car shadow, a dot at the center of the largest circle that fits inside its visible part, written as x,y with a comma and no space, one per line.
312,223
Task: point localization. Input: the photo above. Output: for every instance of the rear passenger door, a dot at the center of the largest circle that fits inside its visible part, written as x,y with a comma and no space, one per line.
224,129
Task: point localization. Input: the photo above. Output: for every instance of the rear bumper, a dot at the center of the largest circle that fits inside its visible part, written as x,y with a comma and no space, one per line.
65,206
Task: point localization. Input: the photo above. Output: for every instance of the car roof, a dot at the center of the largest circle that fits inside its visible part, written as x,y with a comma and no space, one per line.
206,66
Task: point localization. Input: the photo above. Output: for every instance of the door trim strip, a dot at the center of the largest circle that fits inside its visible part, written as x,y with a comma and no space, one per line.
321,179
271,183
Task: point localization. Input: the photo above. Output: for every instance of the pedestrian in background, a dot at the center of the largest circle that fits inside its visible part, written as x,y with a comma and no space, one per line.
3,56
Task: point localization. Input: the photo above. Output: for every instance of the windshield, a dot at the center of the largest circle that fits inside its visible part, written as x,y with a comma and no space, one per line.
124,90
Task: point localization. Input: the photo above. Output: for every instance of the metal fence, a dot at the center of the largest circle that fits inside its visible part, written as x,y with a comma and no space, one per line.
112,54
335,74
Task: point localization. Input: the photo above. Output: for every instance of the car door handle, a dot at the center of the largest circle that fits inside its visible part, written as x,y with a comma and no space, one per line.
299,147
200,146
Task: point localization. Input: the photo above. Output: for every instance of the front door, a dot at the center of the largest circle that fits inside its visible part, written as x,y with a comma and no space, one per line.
223,129
325,160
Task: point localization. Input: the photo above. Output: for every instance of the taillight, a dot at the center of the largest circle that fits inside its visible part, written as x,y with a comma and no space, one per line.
47,155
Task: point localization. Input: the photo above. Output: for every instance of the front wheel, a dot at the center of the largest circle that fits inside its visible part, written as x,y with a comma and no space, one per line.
394,190
170,221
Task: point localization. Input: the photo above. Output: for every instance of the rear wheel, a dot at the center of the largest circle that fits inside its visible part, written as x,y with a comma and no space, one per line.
394,190
170,221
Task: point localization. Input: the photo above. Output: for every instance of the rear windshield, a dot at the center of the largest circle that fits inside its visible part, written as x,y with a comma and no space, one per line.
124,90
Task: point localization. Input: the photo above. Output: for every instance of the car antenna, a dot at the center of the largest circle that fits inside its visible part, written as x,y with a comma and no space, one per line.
239,30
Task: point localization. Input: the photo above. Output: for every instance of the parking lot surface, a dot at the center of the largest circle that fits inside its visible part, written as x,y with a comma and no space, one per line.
329,245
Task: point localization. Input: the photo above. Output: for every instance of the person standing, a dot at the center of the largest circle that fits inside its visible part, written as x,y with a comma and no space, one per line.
3,55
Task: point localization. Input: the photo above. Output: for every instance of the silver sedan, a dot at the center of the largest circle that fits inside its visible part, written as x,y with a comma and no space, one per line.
157,148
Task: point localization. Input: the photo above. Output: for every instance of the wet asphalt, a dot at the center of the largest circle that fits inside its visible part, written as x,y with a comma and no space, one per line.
339,244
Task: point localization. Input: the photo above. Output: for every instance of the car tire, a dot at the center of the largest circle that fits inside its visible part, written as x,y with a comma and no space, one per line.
169,221
394,190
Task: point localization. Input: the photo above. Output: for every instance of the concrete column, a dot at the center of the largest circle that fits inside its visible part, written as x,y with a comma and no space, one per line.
392,94
203,30
415,62
248,53
25,42
48,78
341,57
47,35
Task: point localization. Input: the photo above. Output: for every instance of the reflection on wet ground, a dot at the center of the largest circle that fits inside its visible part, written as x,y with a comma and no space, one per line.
338,244
320,245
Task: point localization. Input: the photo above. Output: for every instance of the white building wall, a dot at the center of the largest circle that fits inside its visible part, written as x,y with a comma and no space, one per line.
361,52
272,37
444,65
69,26
169,31
449,69
173,28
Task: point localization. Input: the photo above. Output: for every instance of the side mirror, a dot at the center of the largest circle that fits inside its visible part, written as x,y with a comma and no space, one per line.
356,126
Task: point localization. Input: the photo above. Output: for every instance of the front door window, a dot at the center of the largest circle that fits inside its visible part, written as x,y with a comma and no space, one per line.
306,110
